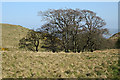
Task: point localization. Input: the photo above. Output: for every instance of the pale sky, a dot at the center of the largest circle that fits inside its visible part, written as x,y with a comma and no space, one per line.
26,13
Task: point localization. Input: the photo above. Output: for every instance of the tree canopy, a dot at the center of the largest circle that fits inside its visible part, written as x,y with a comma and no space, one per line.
31,41
70,30
77,29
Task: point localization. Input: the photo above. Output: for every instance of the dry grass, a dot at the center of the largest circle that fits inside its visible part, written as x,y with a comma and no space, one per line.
66,65
11,34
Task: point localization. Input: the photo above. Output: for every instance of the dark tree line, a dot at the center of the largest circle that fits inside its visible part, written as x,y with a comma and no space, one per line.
117,44
70,30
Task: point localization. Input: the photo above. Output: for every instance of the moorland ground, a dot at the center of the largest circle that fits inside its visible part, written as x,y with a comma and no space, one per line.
97,64
17,63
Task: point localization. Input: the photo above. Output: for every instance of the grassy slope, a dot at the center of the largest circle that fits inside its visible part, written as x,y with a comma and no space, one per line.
11,34
115,36
99,64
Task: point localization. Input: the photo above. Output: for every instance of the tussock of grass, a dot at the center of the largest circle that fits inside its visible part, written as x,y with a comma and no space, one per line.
99,64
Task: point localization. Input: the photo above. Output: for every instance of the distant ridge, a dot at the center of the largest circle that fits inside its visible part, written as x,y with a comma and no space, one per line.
115,36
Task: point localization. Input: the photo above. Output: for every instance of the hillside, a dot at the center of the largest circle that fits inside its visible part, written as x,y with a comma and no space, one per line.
11,34
115,36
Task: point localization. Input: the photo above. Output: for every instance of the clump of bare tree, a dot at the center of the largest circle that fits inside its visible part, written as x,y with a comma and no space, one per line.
31,41
72,30
50,38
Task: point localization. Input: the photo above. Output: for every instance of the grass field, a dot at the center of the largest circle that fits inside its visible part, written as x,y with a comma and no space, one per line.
26,64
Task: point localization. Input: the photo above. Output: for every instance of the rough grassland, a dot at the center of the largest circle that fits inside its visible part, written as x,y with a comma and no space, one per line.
11,34
99,64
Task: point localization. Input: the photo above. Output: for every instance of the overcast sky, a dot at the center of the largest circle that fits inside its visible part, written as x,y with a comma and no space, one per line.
26,13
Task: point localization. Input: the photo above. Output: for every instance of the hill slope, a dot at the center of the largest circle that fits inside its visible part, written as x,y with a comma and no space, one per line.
11,34
115,36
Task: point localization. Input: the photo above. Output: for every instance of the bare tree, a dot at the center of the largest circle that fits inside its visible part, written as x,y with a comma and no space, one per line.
78,30
67,23
50,37
94,29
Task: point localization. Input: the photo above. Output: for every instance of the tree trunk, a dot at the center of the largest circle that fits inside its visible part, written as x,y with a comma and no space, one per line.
83,48
37,45
53,51
66,50
91,50
78,51
37,48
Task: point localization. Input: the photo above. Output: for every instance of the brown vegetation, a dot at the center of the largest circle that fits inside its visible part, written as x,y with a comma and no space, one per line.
26,64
